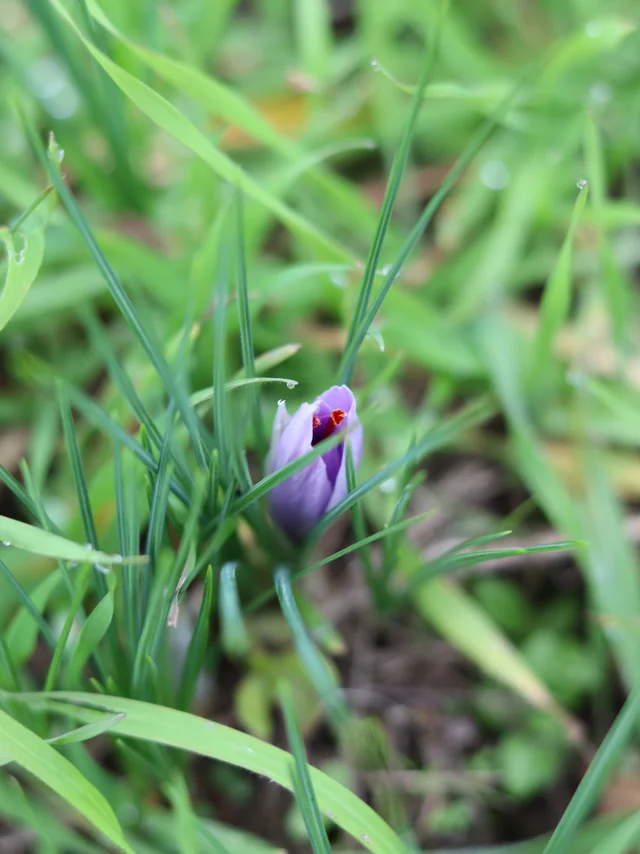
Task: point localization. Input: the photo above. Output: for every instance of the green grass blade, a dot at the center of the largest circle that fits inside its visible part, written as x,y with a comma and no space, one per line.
56,772
301,780
198,646
235,640
94,629
314,663
556,300
127,518
39,542
597,775
476,143
29,605
24,248
166,116
388,203
143,333
197,735
246,336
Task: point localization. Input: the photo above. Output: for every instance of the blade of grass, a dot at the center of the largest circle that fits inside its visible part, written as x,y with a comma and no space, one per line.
597,775
556,300
56,772
474,146
301,780
153,723
145,337
246,336
314,663
198,646
390,195
235,640
166,116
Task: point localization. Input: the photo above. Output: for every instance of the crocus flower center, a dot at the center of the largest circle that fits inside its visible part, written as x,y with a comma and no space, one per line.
323,427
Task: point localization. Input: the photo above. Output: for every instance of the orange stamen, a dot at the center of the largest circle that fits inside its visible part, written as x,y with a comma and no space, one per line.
335,419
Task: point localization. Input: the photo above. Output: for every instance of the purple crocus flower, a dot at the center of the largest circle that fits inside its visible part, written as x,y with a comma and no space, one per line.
299,501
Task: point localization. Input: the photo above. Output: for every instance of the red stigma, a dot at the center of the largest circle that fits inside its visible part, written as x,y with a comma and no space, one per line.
316,422
335,419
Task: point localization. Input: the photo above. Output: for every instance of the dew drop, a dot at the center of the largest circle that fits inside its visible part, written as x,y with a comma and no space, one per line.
375,64
20,256
60,154
6,542
248,750
582,183
339,280
329,814
386,270
594,29
100,568
600,92
365,838
292,383
494,174
281,402
88,547
388,486
117,558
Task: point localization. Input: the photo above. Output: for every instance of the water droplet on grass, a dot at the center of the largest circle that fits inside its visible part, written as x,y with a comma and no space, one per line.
365,838
6,542
600,92
292,383
375,64
582,183
494,174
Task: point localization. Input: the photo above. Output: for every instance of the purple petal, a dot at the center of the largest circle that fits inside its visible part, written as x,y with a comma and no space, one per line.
298,502
282,420
337,397
295,439
355,441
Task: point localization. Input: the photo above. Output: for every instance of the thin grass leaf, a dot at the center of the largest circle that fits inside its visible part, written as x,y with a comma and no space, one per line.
221,416
103,345
237,110
82,583
198,645
56,772
390,195
24,247
454,562
77,471
84,733
147,340
29,605
246,336
620,840
94,413
235,640
94,629
556,300
158,511
475,144
313,661
127,519
19,491
170,119
386,532
301,780
391,545
360,530
39,542
597,775
153,723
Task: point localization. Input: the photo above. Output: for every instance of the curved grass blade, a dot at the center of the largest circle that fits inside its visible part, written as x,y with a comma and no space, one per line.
161,725
56,772
390,195
235,640
197,646
597,774
301,780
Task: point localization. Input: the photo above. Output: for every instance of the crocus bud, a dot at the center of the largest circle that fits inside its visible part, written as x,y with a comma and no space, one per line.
299,501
